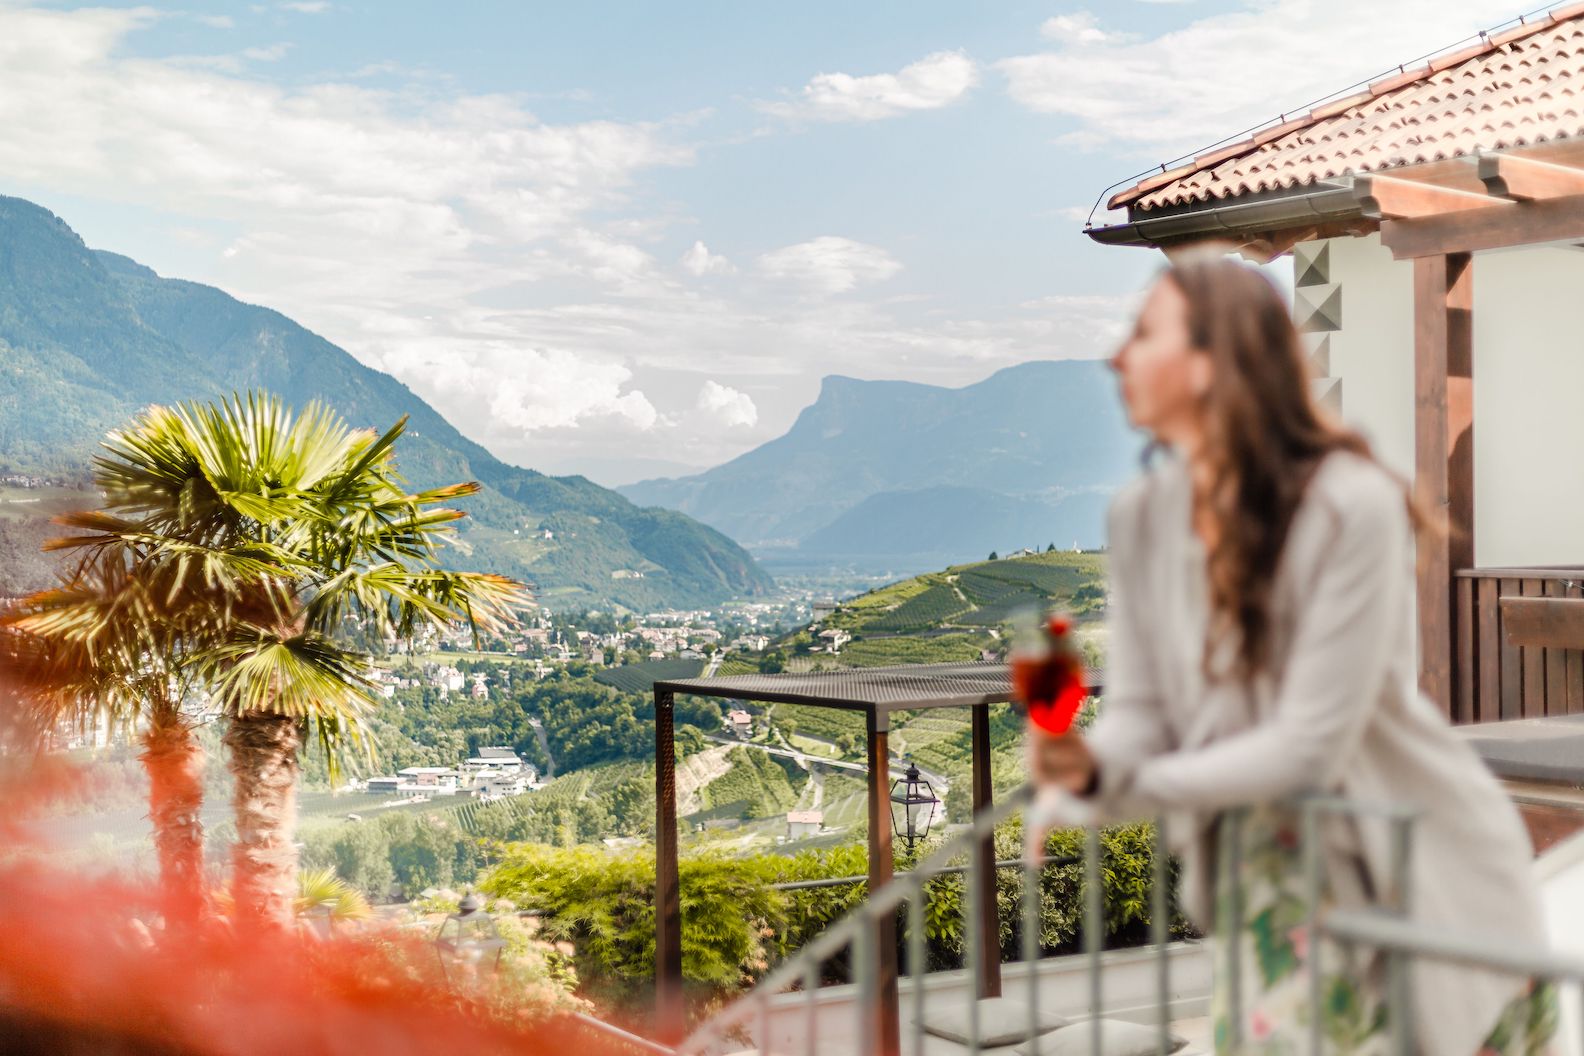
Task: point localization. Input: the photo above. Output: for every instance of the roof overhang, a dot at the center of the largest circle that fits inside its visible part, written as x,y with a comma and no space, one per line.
1258,224
1481,201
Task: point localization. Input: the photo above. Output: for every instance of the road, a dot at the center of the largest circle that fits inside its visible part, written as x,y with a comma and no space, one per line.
544,746
803,759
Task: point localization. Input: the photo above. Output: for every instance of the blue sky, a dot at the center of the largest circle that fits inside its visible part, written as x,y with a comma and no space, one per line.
628,239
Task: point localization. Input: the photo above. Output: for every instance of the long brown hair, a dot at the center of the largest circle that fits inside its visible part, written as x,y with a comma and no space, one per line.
1265,437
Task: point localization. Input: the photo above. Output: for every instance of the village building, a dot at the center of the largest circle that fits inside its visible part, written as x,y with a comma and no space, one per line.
801,823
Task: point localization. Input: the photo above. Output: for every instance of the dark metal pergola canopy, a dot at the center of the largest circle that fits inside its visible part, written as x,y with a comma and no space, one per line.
875,692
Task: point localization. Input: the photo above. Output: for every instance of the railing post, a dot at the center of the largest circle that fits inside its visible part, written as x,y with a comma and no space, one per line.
1312,892
1160,924
810,1012
1033,856
917,969
987,981
1094,930
670,1015
1232,856
886,1009
1398,962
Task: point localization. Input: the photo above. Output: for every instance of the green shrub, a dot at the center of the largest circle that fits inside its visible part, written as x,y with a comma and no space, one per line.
603,903
735,924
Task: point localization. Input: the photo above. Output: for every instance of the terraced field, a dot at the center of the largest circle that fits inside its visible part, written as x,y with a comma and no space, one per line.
640,678
846,804
973,598
933,608
919,733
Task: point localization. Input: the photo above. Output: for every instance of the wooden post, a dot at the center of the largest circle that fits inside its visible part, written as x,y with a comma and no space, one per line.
1443,453
988,982
670,1013
887,1033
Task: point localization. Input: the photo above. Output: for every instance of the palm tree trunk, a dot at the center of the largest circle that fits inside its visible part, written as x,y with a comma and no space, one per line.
263,759
175,769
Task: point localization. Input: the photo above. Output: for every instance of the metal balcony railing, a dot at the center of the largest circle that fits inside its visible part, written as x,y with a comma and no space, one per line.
900,1028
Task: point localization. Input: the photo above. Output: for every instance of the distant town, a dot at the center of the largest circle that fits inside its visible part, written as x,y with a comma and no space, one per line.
546,641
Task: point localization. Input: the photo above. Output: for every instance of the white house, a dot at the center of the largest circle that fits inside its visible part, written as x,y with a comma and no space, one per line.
1434,220
429,780
498,785
495,761
740,722
801,823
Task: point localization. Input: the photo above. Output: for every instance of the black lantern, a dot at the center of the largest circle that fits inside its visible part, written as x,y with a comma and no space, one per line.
913,806
468,937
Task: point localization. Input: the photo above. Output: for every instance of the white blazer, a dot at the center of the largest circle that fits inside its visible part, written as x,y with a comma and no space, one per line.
1338,710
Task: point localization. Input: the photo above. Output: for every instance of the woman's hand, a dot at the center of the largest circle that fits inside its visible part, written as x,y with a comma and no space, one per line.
1062,760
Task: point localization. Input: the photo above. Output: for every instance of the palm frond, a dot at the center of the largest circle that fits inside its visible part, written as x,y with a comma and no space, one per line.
322,889
304,676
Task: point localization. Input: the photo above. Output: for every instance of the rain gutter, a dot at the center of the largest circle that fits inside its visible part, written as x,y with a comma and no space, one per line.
1334,201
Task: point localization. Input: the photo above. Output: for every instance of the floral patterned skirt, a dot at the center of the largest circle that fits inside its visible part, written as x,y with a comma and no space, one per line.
1261,922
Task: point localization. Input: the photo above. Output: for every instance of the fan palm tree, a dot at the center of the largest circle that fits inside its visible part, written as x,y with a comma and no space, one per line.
103,646
299,527
322,891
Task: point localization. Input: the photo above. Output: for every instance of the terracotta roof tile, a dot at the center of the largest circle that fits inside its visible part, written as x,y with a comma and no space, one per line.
1519,87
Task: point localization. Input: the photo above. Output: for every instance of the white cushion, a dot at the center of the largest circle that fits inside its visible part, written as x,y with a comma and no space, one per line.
1002,1021
1117,1038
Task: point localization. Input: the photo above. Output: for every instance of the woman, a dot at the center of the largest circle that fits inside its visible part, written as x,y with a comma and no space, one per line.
1262,647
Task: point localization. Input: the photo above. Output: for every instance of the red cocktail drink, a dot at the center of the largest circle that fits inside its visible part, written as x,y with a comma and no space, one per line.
1048,677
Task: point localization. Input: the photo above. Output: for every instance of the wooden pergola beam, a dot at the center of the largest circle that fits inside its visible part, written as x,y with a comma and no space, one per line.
1518,224
1443,453
1528,180
1391,198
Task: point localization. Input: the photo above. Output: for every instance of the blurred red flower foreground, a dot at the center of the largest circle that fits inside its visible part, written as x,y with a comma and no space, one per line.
88,966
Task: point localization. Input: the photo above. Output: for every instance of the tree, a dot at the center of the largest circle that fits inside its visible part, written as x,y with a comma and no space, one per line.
1050,548
300,523
994,556
105,645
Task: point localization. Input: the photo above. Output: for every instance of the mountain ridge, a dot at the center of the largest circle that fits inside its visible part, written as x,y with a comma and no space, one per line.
88,337
1042,442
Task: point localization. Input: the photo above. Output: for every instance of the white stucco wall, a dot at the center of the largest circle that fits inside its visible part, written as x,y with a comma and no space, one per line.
1528,407
1373,352
1528,388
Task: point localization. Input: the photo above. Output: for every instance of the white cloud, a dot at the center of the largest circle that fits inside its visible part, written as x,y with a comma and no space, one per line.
306,7
829,264
699,261
521,390
1081,27
216,21
501,266
273,53
1216,76
728,405
932,82
383,220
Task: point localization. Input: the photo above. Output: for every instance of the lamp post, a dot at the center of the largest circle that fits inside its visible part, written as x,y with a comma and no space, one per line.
917,801
467,937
